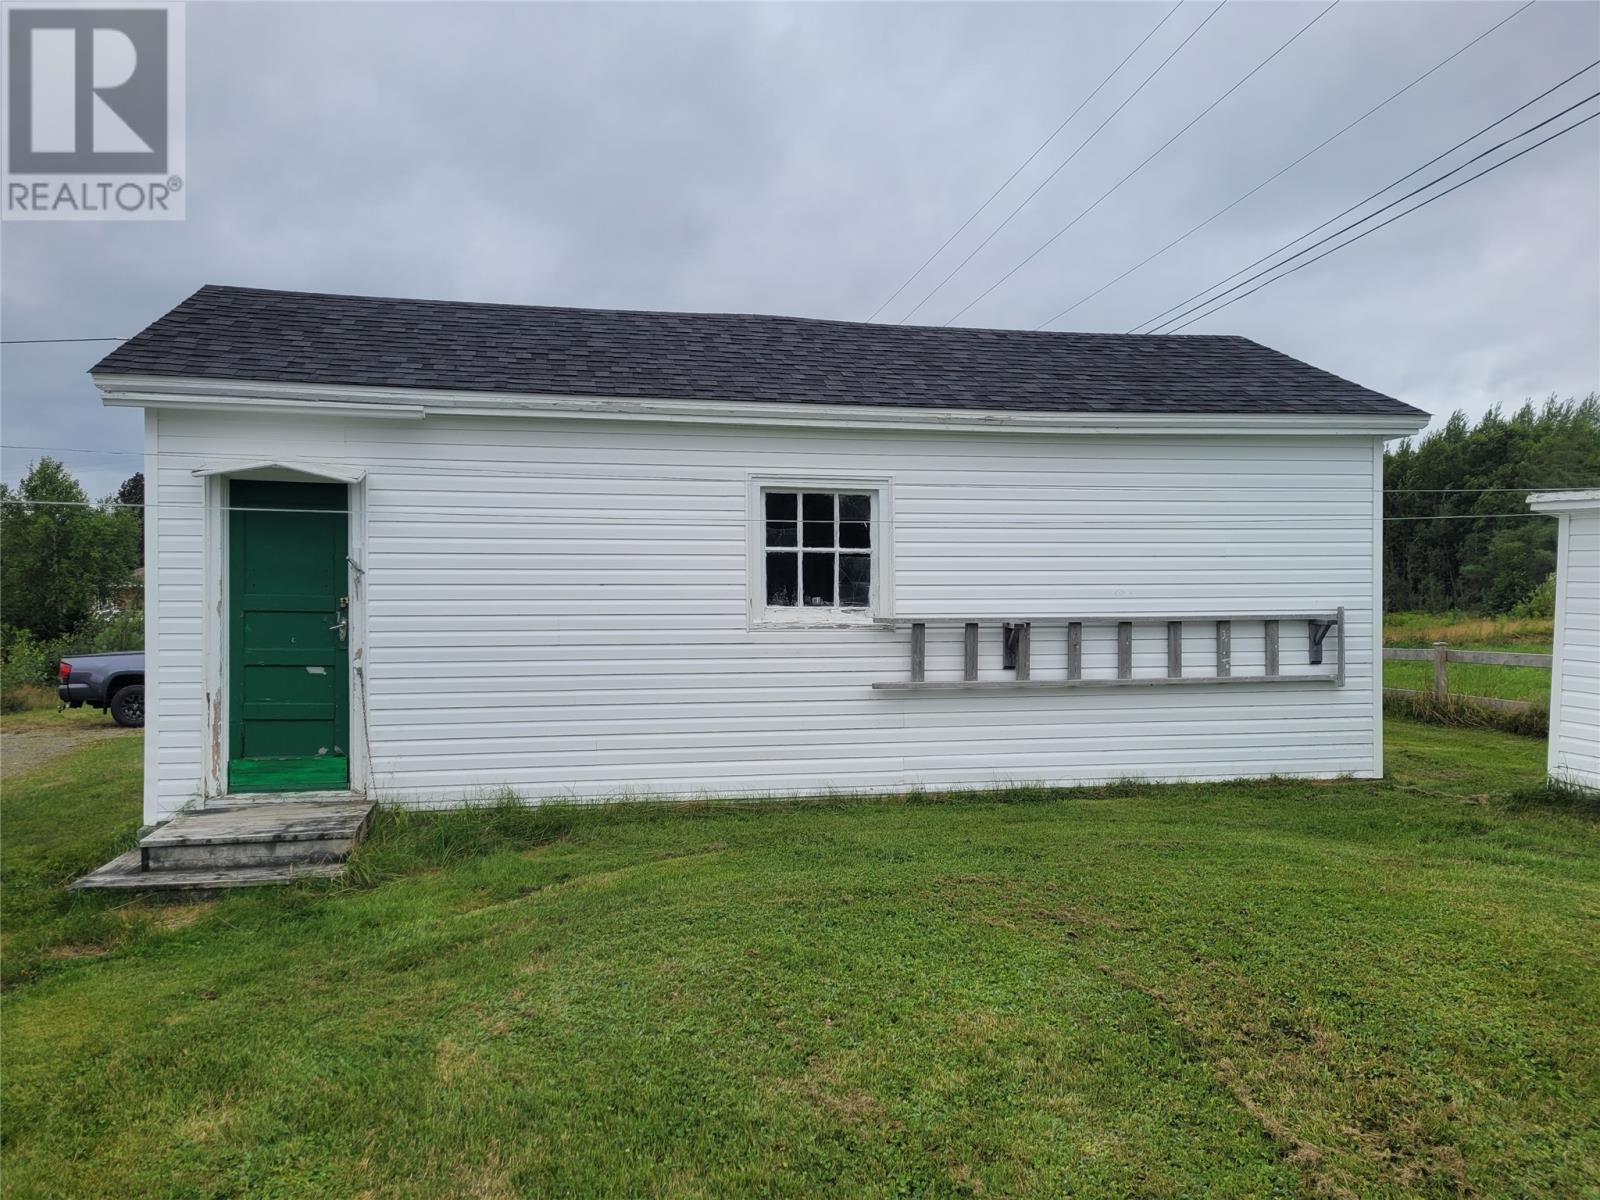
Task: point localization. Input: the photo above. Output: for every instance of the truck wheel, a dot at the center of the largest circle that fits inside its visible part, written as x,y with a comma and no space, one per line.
127,706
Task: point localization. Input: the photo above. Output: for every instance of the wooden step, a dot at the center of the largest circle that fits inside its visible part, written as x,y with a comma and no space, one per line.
243,845
126,873
256,835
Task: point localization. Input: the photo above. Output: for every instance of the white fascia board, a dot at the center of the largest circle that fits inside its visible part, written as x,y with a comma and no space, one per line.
141,394
413,403
1576,500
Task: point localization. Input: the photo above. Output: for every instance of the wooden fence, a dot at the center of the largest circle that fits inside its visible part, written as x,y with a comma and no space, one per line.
1440,655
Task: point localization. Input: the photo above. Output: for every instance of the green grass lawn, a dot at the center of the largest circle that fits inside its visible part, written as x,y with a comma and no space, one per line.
1255,989
1474,679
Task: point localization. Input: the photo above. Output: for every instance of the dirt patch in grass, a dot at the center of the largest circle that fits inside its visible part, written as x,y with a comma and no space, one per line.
822,1085
25,748
455,1063
208,1124
179,916
75,951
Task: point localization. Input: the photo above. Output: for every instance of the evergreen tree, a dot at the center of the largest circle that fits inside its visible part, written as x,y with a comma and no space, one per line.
131,495
1488,554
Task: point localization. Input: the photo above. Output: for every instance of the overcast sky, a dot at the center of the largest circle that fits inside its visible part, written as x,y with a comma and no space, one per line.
805,159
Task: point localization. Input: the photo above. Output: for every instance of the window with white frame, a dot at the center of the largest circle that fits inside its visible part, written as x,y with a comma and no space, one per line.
819,551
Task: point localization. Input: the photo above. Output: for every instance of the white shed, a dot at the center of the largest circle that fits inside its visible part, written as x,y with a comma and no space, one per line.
1575,673
428,552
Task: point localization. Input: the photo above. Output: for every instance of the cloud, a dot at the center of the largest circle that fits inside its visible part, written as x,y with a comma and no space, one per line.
806,158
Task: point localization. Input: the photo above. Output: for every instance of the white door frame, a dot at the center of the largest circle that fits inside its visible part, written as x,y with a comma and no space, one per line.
214,626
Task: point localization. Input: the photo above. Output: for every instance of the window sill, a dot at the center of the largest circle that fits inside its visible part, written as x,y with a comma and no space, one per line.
820,618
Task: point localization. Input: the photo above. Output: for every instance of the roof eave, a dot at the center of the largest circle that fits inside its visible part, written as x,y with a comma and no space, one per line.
194,393
1566,501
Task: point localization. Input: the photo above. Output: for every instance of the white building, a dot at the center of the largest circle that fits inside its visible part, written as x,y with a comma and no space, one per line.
432,551
1575,673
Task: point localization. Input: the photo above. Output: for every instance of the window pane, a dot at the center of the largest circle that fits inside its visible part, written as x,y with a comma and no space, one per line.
781,506
781,533
817,508
817,578
855,535
855,508
855,580
782,589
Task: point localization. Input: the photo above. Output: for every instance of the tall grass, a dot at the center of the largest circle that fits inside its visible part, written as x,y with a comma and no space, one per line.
1463,712
402,841
1556,795
1467,632
26,697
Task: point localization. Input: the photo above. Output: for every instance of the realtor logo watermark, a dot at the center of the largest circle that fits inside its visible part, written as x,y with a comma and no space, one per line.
94,113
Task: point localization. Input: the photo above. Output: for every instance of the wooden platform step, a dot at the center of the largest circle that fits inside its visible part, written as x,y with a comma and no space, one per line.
126,873
240,846
257,835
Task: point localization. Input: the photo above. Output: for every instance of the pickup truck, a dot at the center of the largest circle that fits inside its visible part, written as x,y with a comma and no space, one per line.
109,681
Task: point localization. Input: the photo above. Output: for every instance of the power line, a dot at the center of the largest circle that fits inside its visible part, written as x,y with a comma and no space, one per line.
1380,225
981,521
1156,321
476,465
402,467
1467,516
1104,195
1026,200
1171,12
55,341
1393,96
1482,154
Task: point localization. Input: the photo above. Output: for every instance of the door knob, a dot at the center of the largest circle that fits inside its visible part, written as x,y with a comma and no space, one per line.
343,627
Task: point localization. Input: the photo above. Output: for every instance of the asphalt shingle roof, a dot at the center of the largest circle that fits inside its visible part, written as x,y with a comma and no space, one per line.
306,337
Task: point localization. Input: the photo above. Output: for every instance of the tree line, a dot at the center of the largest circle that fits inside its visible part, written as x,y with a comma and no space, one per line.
68,581
1488,555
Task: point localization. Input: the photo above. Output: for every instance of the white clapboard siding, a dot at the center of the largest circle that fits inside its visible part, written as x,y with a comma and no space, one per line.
559,607
1575,704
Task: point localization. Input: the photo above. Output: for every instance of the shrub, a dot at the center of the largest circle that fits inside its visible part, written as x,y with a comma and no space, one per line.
30,659
1541,602
28,662
110,633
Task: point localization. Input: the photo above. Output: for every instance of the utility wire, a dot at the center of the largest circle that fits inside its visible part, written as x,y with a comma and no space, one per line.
1026,200
1050,241
1157,319
1172,321
1363,220
477,465
55,341
1171,12
1393,96
1380,225
689,524
403,467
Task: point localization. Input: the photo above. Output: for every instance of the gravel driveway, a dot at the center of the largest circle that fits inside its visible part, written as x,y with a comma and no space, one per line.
23,749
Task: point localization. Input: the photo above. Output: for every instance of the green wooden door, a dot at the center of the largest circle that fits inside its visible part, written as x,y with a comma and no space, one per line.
288,658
